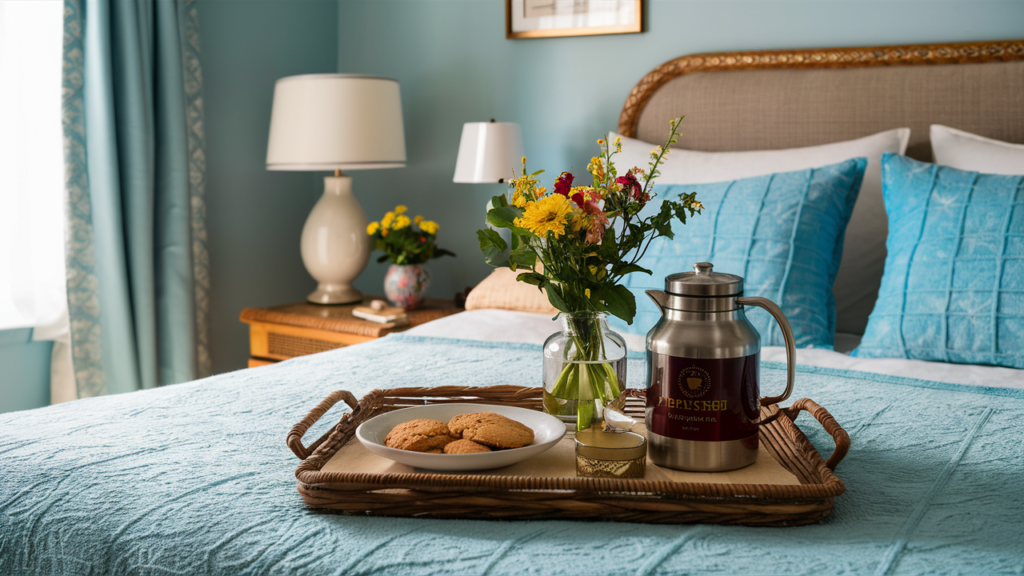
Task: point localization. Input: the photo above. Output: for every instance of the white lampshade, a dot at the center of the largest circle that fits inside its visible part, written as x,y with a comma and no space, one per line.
336,121
488,152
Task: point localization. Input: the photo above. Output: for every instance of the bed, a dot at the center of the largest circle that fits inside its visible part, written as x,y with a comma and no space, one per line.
196,478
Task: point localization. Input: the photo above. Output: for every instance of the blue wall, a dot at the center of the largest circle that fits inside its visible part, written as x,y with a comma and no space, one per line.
255,217
24,370
456,66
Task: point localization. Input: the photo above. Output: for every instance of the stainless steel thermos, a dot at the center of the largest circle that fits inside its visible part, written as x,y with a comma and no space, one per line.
703,399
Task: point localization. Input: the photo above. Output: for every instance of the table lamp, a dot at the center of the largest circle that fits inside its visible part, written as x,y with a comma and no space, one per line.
336,122
488,152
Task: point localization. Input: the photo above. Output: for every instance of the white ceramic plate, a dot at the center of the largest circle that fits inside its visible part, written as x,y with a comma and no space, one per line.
547,431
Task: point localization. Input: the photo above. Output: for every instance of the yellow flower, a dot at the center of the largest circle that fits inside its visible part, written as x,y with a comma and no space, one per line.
372,228
400,209
524,159
386,221
601,141
587,291
429,226
402,222
548,214
518,200
418,219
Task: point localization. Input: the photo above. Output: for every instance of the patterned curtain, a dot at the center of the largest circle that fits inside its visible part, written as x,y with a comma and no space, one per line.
137,264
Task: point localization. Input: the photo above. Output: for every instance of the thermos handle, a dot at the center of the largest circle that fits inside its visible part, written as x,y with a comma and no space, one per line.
787,334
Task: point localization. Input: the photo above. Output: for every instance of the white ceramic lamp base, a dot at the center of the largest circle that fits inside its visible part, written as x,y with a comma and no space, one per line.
335,245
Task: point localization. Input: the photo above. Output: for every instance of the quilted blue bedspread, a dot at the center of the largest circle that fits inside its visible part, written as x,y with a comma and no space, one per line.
196,479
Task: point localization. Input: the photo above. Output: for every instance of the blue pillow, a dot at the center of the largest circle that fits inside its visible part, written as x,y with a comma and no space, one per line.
782,232
953,287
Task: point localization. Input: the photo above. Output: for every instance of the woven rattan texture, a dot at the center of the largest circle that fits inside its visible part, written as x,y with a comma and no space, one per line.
793,98
288,345
493,496
340,318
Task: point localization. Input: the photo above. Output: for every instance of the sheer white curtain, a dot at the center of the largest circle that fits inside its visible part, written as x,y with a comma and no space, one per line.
32,270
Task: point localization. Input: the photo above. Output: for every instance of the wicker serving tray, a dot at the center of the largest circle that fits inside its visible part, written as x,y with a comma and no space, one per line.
350,485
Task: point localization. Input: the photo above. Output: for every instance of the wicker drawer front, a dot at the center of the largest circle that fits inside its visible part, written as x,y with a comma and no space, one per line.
280,342
289,345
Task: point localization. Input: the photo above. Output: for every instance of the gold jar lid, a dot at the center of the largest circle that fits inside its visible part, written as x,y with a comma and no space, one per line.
593,443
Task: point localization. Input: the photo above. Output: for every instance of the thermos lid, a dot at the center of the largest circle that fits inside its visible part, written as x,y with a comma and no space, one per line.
703,281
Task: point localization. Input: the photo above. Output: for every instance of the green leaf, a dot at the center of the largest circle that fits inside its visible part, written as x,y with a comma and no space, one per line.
618,301
554,293
504,216
493,246
523,257
623,269
533,278
498,201
438,252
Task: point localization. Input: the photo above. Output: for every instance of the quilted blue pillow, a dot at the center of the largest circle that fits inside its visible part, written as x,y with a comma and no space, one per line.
782,232
953,288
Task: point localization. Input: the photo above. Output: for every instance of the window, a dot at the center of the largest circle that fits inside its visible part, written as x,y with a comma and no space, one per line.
32,280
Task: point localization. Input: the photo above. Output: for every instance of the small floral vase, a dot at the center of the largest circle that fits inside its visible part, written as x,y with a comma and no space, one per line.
404,285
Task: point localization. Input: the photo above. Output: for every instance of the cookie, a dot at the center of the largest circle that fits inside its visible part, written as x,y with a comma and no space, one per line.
491,430
465,447
420,435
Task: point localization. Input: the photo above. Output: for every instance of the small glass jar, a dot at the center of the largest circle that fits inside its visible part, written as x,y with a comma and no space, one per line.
607,455
584,369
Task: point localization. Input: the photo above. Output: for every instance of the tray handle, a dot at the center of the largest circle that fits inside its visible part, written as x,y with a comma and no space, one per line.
830,425
295,436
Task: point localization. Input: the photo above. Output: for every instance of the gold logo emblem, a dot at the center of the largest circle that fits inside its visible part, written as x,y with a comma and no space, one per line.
694,382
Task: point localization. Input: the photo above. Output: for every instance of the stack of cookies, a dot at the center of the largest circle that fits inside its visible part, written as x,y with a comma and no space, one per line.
463,434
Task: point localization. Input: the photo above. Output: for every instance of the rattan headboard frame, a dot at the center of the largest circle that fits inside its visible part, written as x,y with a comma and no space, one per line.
910,55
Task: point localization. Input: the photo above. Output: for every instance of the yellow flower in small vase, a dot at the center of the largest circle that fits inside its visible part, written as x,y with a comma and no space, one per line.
372,228
549,214
429,226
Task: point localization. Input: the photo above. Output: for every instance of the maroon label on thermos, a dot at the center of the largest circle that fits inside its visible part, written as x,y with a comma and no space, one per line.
706,400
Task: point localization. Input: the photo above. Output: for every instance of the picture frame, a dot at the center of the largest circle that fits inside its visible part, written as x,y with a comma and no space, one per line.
560,18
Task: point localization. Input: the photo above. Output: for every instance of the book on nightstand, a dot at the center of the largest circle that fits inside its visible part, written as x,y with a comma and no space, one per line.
387,315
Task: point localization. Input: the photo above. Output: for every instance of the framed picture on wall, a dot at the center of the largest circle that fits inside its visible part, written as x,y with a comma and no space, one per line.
549,18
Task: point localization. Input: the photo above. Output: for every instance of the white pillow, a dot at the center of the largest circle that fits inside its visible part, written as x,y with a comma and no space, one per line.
860,272
966,151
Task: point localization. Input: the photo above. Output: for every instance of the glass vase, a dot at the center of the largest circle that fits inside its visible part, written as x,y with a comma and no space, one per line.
584,369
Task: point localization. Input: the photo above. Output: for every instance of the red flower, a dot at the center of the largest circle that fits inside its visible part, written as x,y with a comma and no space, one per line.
563,184
423,238
578,199
632,187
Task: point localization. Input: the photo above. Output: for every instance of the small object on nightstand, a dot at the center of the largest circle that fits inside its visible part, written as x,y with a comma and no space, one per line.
282,332
378,305
394,316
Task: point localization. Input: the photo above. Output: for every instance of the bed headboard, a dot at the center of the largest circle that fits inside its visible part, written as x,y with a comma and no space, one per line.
792,98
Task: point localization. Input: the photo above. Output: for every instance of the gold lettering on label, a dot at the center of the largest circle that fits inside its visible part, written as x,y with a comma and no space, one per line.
694,405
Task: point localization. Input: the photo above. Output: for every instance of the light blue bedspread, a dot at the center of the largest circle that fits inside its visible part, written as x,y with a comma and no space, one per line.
196,479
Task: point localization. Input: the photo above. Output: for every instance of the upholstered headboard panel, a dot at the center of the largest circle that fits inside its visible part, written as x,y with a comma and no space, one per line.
786,99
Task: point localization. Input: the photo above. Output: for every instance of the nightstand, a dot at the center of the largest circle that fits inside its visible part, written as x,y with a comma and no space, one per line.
282,332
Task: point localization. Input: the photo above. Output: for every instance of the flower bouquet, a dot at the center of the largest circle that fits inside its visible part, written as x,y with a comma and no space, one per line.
576,244
407,243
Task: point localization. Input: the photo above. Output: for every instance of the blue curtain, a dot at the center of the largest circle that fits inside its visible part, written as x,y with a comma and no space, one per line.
136,252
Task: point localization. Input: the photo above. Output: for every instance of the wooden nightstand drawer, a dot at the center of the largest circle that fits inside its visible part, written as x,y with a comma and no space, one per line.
281,342
283,332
